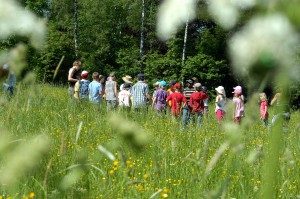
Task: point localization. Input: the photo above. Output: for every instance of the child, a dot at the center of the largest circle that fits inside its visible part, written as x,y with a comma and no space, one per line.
125,97
220,103
178,101
205,101
82,87
111,92
197,103
159,100
239,89
239,108
264,115
95,89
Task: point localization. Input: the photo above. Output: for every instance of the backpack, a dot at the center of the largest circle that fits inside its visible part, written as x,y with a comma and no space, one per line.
84,89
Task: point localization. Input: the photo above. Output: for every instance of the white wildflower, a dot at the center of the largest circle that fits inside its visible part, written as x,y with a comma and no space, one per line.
172,14
271,35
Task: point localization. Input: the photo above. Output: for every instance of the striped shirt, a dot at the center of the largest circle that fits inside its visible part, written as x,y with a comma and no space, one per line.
187,92
139,91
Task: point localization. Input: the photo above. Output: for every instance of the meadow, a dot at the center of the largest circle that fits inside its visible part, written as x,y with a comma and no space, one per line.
52,149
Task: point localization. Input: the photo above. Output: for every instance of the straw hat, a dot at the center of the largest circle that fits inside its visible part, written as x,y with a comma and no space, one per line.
127,79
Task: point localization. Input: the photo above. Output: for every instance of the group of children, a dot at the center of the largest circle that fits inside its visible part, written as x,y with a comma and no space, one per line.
191,103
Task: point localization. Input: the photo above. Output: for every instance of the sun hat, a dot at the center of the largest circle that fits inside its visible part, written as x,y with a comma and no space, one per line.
190,81
163,83
126,85
197,85
177,86
237,88
220,89
127,79
237,91
84,74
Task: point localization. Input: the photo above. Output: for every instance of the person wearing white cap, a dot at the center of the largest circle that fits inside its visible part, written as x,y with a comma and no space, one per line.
197,103
220,103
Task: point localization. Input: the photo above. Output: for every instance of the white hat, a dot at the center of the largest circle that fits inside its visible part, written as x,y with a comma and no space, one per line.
220,89
197,85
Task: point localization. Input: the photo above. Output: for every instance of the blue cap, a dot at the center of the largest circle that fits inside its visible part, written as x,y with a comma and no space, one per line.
163,83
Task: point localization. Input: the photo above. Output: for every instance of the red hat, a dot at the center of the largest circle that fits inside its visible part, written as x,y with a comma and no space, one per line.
177,86
84,74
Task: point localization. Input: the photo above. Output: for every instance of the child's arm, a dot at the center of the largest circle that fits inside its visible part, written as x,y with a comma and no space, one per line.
218,100
153,102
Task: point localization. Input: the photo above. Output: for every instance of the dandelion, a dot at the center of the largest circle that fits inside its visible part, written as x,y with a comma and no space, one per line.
31,195
111,172
145,176
164,195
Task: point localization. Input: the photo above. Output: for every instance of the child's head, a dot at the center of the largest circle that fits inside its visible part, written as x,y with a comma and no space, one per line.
204,88
126,86
262,97
220,90
177,87
237,92
162,84
197,86
84,74
95,76
101,78
112,76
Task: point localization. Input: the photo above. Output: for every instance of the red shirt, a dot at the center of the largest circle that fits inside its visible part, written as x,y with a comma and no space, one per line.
196,101
176,98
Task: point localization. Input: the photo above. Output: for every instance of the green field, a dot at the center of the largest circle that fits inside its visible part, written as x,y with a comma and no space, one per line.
51,149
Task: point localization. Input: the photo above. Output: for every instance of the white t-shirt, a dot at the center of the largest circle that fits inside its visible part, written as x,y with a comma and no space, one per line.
124,97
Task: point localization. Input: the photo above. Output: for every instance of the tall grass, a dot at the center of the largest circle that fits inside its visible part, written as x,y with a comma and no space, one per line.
152,158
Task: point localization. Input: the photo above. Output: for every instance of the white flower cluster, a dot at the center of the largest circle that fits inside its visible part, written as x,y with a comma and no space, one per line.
16,20
172,14
227,12
270,35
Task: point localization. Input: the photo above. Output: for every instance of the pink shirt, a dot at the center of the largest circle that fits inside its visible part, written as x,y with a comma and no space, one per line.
239,106
263,106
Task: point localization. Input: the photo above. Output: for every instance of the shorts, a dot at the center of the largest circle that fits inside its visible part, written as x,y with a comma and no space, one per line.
220,114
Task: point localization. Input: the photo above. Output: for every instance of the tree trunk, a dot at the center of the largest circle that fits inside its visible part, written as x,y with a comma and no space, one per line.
142,37
76,26
184,42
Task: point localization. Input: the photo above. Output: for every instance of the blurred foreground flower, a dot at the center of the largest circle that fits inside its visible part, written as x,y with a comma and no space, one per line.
130,131
266,44
172,14
227,12
22,159
16,20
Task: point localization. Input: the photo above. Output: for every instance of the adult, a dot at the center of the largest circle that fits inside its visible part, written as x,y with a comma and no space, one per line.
186,111
140,93
73,77
126,79
111,92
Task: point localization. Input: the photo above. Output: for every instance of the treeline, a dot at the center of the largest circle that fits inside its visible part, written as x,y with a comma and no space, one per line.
109,37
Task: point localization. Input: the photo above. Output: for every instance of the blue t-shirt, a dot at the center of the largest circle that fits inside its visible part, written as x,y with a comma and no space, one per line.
95,89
